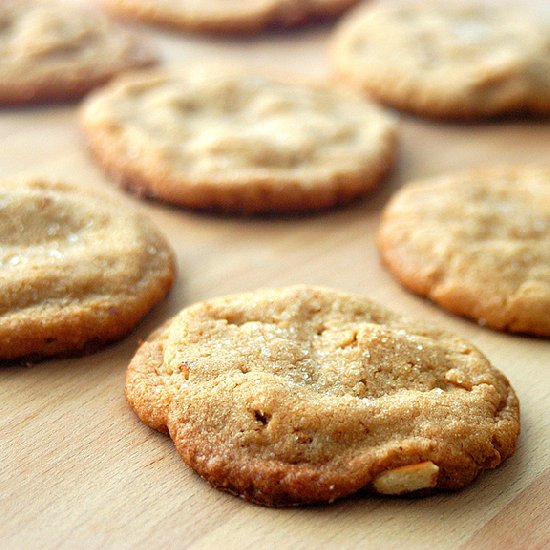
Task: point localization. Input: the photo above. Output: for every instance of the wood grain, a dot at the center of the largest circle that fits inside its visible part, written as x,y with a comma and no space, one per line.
78,470
520,524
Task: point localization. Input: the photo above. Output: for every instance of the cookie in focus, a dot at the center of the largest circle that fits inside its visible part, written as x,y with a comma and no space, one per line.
305,395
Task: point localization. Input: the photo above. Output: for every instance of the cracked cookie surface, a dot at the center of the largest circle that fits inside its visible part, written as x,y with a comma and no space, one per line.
56,50
303,395
77,269
233,16
211,138
477,243
448,59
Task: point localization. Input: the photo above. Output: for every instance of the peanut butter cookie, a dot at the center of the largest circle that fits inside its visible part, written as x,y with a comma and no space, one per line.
305,395
451,59
222,140
77,269
55,50
477,243
221,16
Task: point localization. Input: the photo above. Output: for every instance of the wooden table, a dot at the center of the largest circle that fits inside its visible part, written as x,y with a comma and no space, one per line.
79,470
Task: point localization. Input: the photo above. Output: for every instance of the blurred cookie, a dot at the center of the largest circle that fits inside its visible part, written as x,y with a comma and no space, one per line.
220,16
77,269
448,59
56,50
233,141
477,243
305,395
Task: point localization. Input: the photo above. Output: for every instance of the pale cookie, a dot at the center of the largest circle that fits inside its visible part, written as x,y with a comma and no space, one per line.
233,16
477,243
77,269
231,141
305,395
55,50
449,59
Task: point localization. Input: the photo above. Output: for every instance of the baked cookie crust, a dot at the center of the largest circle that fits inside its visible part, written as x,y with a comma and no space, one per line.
452,59
306,395
233,17
57,51
77,269
477,243
210,138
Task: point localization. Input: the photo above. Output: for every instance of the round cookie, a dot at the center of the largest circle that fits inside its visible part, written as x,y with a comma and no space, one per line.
449,59
477,243
221,16
54,50
222,140
305,395
77,269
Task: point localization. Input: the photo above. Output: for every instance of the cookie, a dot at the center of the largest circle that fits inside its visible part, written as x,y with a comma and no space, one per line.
220,16
215,139
306,395
449,59
78,269
54,51
477,243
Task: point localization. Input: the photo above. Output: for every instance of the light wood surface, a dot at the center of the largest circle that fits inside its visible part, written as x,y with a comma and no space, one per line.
79,470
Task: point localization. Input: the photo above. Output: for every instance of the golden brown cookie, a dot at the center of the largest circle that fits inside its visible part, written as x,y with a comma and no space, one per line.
221,16
305,395
55,50
216,139
451,59
77,269
477,243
